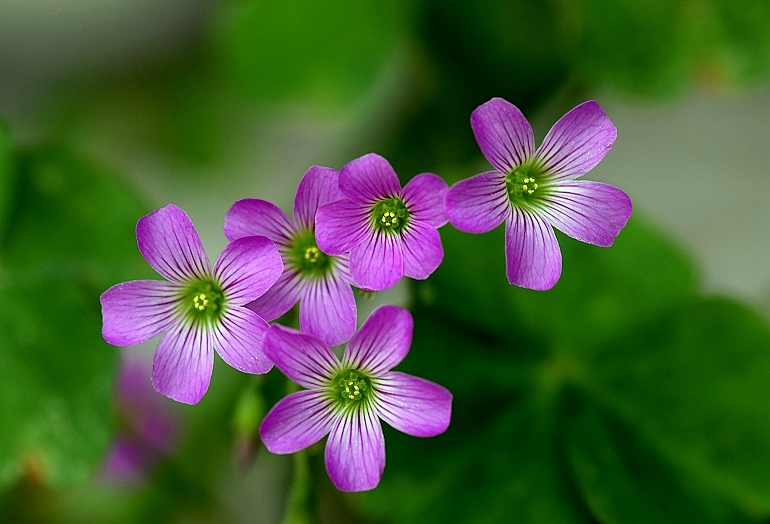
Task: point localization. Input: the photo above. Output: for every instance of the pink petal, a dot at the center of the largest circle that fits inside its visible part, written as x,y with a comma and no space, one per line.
503,134
254,217
532,255
369,179
577,142
301,357
327,309
413,405
382,342
355,451
280,297
169,242
592,212
297,421
247,268
319,186
478,204
238,339
183,362
377,263
134,312
341,225
422,250
424,199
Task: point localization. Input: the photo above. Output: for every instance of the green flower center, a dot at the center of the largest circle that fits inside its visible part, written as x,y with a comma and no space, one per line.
304,255
390,215
521,184
204,301
350,387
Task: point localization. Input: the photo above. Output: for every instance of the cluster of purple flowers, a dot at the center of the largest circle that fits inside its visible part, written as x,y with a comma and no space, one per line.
356,228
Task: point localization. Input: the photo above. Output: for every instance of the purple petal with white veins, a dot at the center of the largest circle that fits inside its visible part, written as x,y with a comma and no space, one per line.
355,451
592,212
169,242
327,309
183,362
340,226
532,255
255,217
424,199
301,357
319,186
503,134
382,342
238,339
422,250
247,268
413,405
377,263
369,179
577,142
134,312
297,421
280,297
478,204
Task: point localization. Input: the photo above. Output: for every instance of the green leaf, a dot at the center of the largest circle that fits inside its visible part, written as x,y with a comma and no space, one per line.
499,461
55,382
327,53
601,290
70,235
73,218
692,383
624,480
6,175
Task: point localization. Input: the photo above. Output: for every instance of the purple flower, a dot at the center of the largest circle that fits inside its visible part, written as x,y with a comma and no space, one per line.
198,308
320,283
345,399
147,431
389,231
534,190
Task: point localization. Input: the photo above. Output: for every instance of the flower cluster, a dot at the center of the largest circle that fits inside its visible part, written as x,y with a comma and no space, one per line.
356,228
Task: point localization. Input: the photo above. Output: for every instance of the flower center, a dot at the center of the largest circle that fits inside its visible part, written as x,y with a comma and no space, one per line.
350,387
204,300
390,215
520,183
305,256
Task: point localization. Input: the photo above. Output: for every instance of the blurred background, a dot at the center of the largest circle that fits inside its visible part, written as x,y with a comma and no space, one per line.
634,391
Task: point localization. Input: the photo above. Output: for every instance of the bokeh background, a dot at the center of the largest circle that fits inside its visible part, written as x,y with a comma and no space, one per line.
634,391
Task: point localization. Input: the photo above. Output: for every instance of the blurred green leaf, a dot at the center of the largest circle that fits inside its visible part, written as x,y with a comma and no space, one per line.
55,382
6,175
624,480
73,218
70,235
326,53
692,384
601,290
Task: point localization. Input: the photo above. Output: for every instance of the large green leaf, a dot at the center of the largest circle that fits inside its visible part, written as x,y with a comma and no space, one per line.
693,384
55,382
69,235
625,481
601,290
321,52
6,175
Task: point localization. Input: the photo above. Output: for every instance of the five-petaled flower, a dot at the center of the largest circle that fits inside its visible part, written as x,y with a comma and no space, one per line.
531,191
321,283
345,399
198,309
389,231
